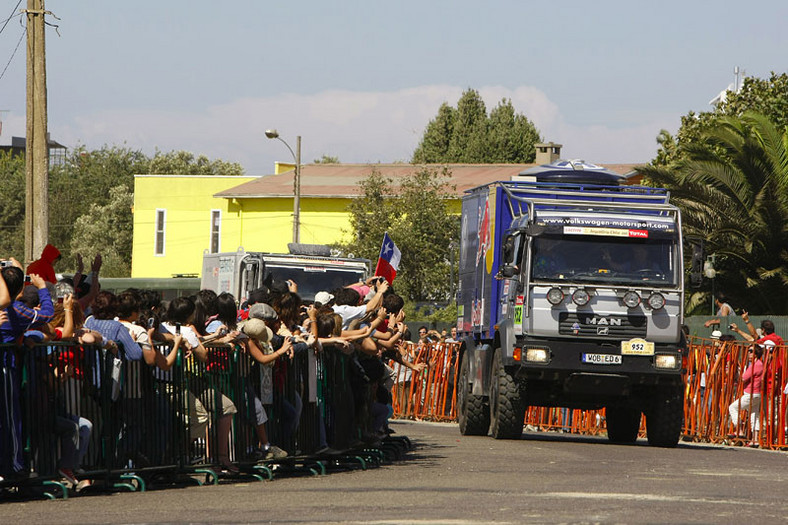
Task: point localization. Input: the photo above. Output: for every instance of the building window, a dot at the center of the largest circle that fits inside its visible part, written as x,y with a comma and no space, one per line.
161,219
216,230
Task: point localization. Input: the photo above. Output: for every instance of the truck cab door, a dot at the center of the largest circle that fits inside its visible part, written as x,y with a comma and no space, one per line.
509,277
250,277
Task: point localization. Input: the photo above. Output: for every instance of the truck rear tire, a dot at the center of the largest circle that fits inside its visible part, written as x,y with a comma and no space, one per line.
472,412
665,417
623,424
507,409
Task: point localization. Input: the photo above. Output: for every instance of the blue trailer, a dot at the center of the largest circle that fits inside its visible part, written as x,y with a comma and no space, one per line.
571,294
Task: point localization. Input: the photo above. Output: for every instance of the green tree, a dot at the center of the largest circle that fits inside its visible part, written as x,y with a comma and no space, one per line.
12,205
434,146
732,187
468,135
186,163
415,214
84,180
766,96
327,159
107,229
512,137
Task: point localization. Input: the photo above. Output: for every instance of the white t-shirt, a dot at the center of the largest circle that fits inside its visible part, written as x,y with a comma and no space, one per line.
189,335
349,313
138,333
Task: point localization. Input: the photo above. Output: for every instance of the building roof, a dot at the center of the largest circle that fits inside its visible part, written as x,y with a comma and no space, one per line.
342,180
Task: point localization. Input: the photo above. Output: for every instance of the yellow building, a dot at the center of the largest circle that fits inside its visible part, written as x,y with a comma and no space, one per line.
178,217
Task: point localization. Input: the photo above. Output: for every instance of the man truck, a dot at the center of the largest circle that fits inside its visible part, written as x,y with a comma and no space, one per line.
571,295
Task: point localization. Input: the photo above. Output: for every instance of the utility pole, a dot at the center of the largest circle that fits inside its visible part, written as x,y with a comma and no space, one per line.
297,193
36,147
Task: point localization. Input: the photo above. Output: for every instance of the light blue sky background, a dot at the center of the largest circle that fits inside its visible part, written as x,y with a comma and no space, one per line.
361,79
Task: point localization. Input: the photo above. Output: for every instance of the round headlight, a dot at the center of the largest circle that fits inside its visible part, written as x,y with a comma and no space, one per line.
580,297
631,299
656,301
555,296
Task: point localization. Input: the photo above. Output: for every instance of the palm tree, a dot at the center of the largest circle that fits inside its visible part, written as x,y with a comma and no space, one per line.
732,188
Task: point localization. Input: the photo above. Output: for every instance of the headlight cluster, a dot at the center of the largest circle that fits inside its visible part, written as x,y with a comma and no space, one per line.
655,301
580,297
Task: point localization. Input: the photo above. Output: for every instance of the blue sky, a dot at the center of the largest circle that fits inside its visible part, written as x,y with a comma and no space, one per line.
361,79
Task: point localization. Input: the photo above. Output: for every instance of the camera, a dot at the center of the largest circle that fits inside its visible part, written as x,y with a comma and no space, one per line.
177,328
5,263
151,322
730,327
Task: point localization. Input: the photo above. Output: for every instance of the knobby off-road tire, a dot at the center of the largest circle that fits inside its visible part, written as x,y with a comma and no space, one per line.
623,424
473,414
507,408
665,417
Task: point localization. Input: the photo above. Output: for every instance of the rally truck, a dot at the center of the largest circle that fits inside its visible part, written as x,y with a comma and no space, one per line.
571,295
312,267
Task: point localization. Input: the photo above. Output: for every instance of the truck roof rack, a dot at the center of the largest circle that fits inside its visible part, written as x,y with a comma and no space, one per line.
529,197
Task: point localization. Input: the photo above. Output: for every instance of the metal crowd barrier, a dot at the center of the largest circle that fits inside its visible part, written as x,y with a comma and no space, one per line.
123,424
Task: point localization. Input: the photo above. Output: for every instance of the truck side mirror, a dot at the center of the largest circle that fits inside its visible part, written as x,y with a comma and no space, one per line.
508,271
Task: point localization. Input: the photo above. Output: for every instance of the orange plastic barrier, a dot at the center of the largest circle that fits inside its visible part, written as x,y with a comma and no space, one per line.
713,385
712,377
431,394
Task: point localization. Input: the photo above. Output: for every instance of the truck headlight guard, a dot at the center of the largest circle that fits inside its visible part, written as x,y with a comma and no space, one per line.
580,297
555,296
656,301
631,299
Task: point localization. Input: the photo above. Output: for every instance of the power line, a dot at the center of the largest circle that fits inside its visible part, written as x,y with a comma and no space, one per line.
24,31
13,14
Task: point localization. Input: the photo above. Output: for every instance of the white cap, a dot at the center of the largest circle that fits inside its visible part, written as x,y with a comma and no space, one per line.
716,334
323,298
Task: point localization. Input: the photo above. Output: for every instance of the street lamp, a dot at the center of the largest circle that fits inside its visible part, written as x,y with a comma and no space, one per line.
273,134
711,273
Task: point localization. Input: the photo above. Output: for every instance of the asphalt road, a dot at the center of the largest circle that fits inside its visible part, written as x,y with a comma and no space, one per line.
540,478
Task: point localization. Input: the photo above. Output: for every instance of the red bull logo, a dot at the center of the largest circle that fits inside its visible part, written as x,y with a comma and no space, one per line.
484,231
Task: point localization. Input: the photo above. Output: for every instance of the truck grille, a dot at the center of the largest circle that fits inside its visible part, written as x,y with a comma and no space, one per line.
613,326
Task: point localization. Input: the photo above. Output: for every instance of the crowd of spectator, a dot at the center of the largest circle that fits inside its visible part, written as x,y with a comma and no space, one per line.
364,321
761,374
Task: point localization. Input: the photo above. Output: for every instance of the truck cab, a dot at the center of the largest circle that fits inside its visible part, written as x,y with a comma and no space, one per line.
312,267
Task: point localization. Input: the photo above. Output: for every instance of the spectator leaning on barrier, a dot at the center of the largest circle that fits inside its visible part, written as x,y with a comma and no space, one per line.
201,398
752,380
14,321
723,310
347,303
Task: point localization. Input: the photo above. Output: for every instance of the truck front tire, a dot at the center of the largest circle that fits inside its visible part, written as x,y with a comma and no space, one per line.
665,417
472,412
623,424
507,409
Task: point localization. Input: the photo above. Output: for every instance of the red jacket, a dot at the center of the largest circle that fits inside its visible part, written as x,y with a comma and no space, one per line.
43,266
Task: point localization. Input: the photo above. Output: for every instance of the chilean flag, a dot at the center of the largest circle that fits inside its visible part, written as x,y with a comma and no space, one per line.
389,258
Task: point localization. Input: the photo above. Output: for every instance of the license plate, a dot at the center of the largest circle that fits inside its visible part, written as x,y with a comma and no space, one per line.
602,359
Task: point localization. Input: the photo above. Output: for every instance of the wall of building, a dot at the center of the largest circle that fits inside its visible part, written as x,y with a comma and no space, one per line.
262,224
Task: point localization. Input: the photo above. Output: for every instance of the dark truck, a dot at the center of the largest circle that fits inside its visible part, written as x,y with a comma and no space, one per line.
571,295
311,266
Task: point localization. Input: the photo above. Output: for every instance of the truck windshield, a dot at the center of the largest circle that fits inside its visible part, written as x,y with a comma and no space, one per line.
313,280
585,258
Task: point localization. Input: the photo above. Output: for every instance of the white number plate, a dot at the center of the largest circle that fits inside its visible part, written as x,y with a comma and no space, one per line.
602,359
637,346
